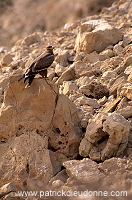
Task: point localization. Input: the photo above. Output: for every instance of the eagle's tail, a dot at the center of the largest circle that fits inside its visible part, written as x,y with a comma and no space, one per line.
30,80
23,76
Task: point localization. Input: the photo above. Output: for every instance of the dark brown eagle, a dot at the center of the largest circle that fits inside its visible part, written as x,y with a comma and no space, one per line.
39,66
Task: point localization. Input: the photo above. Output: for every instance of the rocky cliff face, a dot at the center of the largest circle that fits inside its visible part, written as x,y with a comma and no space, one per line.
72,131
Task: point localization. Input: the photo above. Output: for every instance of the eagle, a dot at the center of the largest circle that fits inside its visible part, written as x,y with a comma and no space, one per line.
39,66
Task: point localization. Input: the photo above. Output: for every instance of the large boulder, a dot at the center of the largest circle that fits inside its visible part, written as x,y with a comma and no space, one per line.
96,35
39,130
106,136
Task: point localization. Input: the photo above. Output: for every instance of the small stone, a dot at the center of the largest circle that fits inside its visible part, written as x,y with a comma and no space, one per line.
117,49
69,87
59,69
31,39
7,59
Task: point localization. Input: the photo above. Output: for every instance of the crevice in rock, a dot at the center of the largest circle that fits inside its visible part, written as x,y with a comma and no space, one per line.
27,168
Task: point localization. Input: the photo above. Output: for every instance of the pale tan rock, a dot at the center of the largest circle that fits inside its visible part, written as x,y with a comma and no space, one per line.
107,76
7,59
117,49
59,69
83,80
96,35
111,105
50,135
83,100
127,39
67,75
62,58
82,69
102,101
69,87
117,83
6,189
94,89
92,57
51,73
128,70
84,171
85,147
130,78
125,63
31,39
125,112
126,91
57,184
114,127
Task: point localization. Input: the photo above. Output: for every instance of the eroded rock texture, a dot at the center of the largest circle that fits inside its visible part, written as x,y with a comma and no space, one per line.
39,130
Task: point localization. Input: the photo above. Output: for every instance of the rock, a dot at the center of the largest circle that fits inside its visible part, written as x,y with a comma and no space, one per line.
127,39
111,106
84,171
117,49
96,35
82,69
125,112
94,89
107,76
102,101
51,136
83,100
59,69
126,62
51,73
126,91
116,84
83,80
107,132
62,58
130,78
116,174
92,57
67,75
107,53
69,87
7,59
31,39
6,189
57,184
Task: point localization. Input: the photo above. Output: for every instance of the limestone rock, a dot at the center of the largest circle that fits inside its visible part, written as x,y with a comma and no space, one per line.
107,76
69,87
62,58
52,134
96,35
7,59
92,57
83,80
31,39
116,84
108,134
126,91
83,100
67,75
6,189
84,171
82,69
59,69
94,89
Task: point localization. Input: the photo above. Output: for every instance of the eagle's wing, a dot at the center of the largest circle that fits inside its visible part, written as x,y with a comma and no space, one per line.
43,62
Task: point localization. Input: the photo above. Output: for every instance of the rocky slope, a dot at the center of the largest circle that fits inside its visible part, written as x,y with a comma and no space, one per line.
20,18
74,130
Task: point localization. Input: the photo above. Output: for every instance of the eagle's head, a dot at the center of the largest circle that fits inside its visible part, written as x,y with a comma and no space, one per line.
50,48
